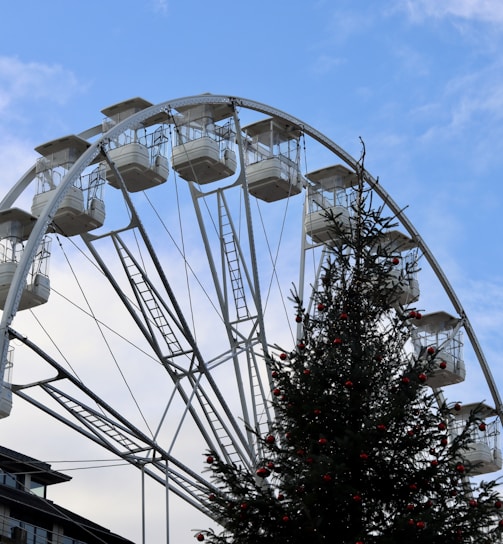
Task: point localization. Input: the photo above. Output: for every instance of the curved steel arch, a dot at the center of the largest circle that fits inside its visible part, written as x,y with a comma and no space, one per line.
165,107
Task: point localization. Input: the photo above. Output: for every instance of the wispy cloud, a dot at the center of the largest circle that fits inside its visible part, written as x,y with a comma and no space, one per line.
487,11
20,80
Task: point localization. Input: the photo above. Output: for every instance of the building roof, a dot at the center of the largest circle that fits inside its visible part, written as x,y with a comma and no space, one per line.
15,462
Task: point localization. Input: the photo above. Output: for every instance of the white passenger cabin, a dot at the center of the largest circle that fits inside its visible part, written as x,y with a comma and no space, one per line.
403,276
441,331
329,197
138,154
273,159
204,144
484,454
82,208
15,228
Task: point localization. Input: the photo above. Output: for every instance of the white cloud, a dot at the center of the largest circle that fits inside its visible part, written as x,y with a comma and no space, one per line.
20,80
487,11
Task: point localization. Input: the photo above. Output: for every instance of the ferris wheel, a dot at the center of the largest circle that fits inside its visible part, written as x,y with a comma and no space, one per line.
146,265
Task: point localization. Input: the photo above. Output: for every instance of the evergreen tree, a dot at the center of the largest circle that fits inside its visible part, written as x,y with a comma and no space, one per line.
360,451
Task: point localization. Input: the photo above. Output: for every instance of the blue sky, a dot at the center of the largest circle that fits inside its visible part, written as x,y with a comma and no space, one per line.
421,82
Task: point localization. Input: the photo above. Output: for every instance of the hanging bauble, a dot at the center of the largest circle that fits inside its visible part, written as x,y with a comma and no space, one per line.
405,380
270,439
210,459
364,456
200,537
243,505
348,384
434,463
343,316
460,468
212,496
262,472
412,314
274,374
321,307
395,260
431,350
337,341
283,356
444,441
442,365
381,427
280,496
410,507
482,426
457,407
306,372
422,377
441,426
301,345
317,412
276,392
419,315
357,498
322,441
285,519
327,477
298,319
473,503
420,524
498,504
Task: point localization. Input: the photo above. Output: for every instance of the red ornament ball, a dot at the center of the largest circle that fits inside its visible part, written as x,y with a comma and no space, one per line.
419,315
283,356
274,374
381,427
460,468
276,392
473,503
321,307
210,459
200,537
420,524
327,477
337,341
412,314
441,426
280,496
306,372
410,507
431,350
405,380
322,441
422,377
482,426
212,496
285,519
243,505
262,472
500,524
357,498
434,463
348,384
270,439
457,407
395,260
498,504
317,412
364,456
298,319
343,316
301,345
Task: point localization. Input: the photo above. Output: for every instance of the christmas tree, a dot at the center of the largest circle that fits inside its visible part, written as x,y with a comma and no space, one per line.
361,450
